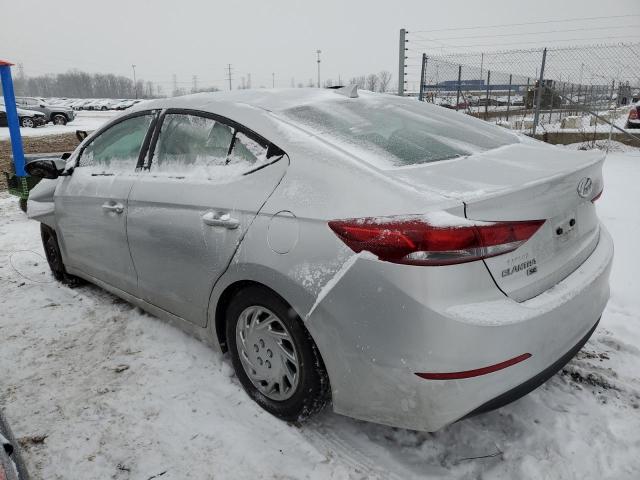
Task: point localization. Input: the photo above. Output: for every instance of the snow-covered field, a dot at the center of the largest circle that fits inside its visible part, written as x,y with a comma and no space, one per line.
119,394
85,120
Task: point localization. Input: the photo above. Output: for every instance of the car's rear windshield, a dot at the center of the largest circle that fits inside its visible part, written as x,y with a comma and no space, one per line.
392,133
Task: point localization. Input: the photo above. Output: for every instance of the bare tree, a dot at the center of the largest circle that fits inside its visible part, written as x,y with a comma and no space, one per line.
77,84
359,81
372,82
384,78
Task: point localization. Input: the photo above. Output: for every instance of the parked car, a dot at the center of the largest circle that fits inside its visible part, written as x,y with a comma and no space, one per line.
28,118
412,265
633,120
56,114
124,104
80,104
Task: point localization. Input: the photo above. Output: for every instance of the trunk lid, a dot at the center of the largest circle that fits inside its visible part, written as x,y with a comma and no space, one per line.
525,182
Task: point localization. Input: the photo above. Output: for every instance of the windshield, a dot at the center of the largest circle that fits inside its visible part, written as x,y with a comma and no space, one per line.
398,133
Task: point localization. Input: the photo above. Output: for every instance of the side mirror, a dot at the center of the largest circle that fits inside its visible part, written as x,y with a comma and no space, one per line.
44,168
81,135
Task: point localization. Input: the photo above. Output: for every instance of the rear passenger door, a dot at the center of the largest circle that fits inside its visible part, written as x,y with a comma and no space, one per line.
206,179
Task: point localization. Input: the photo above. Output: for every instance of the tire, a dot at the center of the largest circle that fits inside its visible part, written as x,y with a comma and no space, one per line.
311,390
54,257
59,119
103,108
27,122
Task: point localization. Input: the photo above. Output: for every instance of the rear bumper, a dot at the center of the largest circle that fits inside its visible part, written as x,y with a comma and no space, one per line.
534,382
381,323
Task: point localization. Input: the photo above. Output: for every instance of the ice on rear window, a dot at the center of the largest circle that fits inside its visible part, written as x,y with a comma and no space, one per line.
395,134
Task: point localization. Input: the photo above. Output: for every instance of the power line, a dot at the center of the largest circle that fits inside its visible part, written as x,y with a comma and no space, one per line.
525,23
534,41
617,27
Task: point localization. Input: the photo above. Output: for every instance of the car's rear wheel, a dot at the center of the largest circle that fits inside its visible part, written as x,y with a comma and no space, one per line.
27,122
59,119
54,257
273,355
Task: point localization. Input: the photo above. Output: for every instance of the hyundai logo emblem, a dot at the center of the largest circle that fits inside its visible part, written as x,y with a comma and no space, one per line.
585,186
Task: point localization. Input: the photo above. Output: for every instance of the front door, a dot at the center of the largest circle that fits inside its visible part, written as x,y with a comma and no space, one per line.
91,203
191,208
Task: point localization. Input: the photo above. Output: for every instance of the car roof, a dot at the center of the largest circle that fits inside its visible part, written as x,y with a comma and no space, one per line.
258,109
270,100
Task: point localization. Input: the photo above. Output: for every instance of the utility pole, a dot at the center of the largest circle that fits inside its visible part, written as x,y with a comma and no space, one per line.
21,77
248,80
175,85
318,52
135,83
229,76
273,80
401,58
195,84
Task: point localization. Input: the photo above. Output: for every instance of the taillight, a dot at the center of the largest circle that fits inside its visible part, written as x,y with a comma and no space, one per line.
633,114
416,240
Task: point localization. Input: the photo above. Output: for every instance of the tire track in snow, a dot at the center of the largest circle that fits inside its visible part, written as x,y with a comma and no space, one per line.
327,439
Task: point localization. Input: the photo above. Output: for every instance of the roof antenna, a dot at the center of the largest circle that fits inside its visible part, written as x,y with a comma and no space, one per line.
350,91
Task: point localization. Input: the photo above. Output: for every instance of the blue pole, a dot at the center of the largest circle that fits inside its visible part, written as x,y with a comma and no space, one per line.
12,118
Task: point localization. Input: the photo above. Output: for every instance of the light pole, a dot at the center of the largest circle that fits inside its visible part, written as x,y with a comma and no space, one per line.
273,80
135,84
318,52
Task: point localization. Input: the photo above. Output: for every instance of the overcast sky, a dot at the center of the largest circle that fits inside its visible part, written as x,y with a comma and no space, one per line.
198,37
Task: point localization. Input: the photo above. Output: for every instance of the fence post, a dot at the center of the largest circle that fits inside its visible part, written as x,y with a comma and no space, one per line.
562,97
486,103
509,96
422,72
401,58
615,114
459,79
577,103
539,91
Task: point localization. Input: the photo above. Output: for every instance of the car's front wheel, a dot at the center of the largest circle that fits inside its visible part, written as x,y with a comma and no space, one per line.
27,122
54,257
59,119
273,355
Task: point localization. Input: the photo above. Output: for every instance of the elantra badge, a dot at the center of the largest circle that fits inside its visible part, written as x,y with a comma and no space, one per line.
585,186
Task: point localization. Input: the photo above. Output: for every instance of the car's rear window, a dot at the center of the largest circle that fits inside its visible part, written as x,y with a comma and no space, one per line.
396,133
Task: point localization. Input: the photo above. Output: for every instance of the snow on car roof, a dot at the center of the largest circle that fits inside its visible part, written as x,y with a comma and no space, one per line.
266,99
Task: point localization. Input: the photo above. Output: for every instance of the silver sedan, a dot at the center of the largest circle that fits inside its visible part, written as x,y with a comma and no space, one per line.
408,263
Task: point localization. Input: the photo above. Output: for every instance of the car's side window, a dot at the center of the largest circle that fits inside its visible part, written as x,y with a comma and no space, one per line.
117,149
247,151
207,148
189,142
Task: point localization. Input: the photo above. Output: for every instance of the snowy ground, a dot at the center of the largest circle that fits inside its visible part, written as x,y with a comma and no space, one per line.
119,394
85,120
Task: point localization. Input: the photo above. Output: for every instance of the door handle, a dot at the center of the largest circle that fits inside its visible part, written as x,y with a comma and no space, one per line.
113,207
220,219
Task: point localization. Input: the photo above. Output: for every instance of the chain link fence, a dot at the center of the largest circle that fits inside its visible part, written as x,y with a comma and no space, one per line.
585,90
